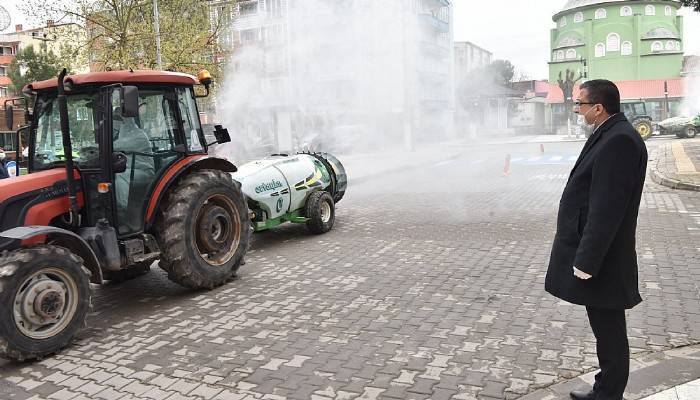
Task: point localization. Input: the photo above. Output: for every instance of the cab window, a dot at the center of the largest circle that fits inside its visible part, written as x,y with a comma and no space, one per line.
190,119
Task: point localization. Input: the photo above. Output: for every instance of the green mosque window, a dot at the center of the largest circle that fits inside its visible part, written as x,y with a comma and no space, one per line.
578,17
627,48
668,11
613,42
650,10
562,22
600,50
657,47
601,13
625,11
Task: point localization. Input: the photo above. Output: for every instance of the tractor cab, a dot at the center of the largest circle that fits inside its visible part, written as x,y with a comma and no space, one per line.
119,177
118,148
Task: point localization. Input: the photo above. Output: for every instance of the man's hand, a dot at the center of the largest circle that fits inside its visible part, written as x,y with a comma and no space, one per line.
581,275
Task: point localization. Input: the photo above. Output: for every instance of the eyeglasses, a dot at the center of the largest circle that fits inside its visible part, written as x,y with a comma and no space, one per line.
580,103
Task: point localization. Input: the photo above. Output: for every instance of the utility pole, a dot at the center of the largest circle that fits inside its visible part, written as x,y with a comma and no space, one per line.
156,26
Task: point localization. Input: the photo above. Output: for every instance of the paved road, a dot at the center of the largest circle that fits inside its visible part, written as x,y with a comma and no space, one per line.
429,286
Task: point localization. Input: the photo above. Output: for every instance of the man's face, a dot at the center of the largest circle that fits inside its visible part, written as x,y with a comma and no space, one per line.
583,106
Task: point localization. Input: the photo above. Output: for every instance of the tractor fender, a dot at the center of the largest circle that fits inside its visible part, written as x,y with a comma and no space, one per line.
66,238
177,171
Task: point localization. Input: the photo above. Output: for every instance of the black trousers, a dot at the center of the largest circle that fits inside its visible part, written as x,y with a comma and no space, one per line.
610,330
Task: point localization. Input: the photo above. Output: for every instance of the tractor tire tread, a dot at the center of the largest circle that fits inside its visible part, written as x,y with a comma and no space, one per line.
10,263
173,237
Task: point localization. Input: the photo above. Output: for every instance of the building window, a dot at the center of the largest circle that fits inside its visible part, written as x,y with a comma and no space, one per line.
613,42
274,8
668,11
570,54
625,11
249,35
600,50
249,8
678,46
601,13
3,71
657,46
559,56
626,48
650,10
3,92
578,17
670,46
562,22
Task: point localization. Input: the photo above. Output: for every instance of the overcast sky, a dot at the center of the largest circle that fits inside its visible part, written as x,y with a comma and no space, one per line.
512,29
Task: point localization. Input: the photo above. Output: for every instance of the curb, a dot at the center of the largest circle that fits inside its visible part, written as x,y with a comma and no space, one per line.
650,373
663,180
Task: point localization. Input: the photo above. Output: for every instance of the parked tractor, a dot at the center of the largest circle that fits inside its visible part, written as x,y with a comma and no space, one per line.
636,113
118,177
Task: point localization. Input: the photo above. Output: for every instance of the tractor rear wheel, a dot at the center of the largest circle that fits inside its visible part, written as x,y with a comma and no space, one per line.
44,300
690,132
644,129
320,210
204,230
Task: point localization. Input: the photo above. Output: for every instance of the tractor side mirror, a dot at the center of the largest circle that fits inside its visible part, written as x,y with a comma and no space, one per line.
221,134
9,117
130,101
119,161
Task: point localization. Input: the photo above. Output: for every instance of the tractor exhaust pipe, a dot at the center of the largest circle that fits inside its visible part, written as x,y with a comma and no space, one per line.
67,151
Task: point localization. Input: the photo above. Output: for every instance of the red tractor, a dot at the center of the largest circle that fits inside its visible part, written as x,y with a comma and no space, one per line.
118,177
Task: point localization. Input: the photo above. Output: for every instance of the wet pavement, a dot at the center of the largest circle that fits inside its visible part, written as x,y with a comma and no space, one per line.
429,286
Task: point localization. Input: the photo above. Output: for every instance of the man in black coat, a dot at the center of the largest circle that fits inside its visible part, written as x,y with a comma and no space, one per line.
593,261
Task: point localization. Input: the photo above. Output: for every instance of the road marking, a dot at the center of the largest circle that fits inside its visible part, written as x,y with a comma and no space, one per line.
444,162
533,159
556,158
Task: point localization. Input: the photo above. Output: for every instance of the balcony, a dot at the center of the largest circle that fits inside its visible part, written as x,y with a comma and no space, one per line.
433,22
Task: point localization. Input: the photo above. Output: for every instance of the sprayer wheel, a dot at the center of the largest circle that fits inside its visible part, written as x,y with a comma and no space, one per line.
320,210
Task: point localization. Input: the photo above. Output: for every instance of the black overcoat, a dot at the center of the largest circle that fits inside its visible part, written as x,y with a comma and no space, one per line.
597,220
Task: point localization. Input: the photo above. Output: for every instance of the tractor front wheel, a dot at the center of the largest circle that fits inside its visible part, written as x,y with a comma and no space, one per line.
44,300
690,132
644,129
320,210
204,230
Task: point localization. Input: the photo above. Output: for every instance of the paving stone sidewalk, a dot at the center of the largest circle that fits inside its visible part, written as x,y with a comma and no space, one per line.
677,164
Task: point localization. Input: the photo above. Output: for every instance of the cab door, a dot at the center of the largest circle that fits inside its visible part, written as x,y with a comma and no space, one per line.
149,142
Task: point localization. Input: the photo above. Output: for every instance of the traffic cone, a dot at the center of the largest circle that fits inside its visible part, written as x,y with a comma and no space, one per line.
506,167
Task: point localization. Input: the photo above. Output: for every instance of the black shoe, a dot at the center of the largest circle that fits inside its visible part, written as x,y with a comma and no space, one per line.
582,394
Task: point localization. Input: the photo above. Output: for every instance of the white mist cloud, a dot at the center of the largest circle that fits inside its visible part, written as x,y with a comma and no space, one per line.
341,76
